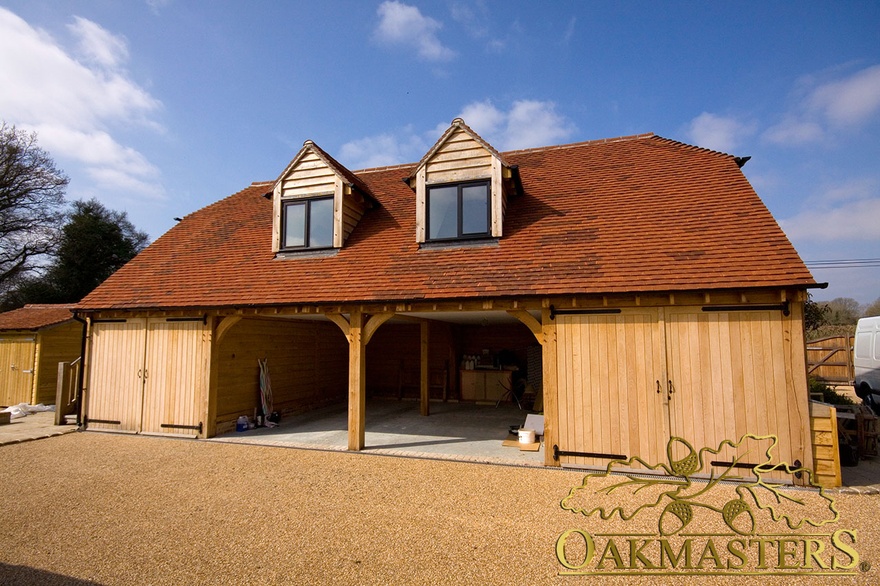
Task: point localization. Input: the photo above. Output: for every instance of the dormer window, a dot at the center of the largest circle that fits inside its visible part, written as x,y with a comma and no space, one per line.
462,187
308,223
459,211
317,203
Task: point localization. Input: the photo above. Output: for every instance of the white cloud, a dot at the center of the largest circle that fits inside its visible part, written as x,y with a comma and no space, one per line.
75,104
847,211
794,131
528,123
719,133
483,117
401,24
97,45
404,146
825,108
849,101
569,31
157,5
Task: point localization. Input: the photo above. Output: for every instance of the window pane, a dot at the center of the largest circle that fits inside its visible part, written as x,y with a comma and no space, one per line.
474,209
294,225
443,212
321,223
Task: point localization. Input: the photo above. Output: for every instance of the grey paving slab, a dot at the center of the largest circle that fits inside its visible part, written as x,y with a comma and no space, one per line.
458,431
33,427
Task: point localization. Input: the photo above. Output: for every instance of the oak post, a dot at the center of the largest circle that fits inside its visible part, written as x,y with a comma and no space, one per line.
551,403
425,403
357,396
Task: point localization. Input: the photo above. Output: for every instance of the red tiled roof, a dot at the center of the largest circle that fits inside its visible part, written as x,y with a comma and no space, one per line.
627,215
34,317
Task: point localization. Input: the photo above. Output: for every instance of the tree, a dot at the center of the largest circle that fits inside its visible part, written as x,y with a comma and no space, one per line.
843,311
31,204
872,309
815,315
95,242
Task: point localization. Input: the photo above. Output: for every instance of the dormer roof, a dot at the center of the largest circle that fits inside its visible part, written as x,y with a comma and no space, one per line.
456,126
349,178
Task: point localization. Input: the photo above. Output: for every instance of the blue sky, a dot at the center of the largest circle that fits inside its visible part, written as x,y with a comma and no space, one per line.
161,107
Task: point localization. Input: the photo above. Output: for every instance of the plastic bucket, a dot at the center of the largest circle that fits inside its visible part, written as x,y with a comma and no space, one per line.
241,424
526,436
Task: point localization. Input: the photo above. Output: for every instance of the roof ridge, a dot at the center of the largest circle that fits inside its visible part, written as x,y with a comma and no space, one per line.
693,146
583,143
385,168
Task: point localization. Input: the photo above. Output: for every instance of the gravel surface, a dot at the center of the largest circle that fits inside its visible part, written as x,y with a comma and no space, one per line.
114,509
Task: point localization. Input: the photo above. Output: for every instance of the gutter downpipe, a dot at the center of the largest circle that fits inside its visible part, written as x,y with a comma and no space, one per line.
82,369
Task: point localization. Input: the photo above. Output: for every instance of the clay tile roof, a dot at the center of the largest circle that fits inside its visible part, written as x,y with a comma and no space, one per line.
34,317
635,214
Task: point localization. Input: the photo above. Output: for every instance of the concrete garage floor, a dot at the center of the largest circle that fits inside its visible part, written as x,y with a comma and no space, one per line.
453,431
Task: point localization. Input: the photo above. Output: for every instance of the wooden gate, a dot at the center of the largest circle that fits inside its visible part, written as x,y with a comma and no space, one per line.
831,359
16,369
147,375
630,381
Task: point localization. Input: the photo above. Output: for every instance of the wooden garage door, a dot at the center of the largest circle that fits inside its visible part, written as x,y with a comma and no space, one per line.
147,375
16,369
720,375
729,379
609,368
175,370
115,388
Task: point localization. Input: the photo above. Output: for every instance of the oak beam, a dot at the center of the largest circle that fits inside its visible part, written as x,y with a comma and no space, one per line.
224,326
373,325
530,322
340,321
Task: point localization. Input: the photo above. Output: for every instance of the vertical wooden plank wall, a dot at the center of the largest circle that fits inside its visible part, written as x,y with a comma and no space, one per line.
60,343
308,365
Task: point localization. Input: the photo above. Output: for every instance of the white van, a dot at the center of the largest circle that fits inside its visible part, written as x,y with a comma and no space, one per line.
866,359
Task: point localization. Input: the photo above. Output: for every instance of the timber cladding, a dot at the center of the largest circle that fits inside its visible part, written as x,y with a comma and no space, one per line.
61,343
29,362
308,367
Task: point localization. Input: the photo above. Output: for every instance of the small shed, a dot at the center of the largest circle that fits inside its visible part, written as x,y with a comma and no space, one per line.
33,340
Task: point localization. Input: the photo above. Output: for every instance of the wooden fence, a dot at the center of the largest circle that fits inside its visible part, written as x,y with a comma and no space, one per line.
831,359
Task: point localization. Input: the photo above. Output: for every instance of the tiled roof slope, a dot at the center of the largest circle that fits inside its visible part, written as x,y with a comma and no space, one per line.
34,317
629,215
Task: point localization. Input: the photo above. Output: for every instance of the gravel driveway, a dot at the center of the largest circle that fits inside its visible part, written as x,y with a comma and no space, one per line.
114,509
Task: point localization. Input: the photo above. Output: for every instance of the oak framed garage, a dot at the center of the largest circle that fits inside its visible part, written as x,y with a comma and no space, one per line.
656,284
